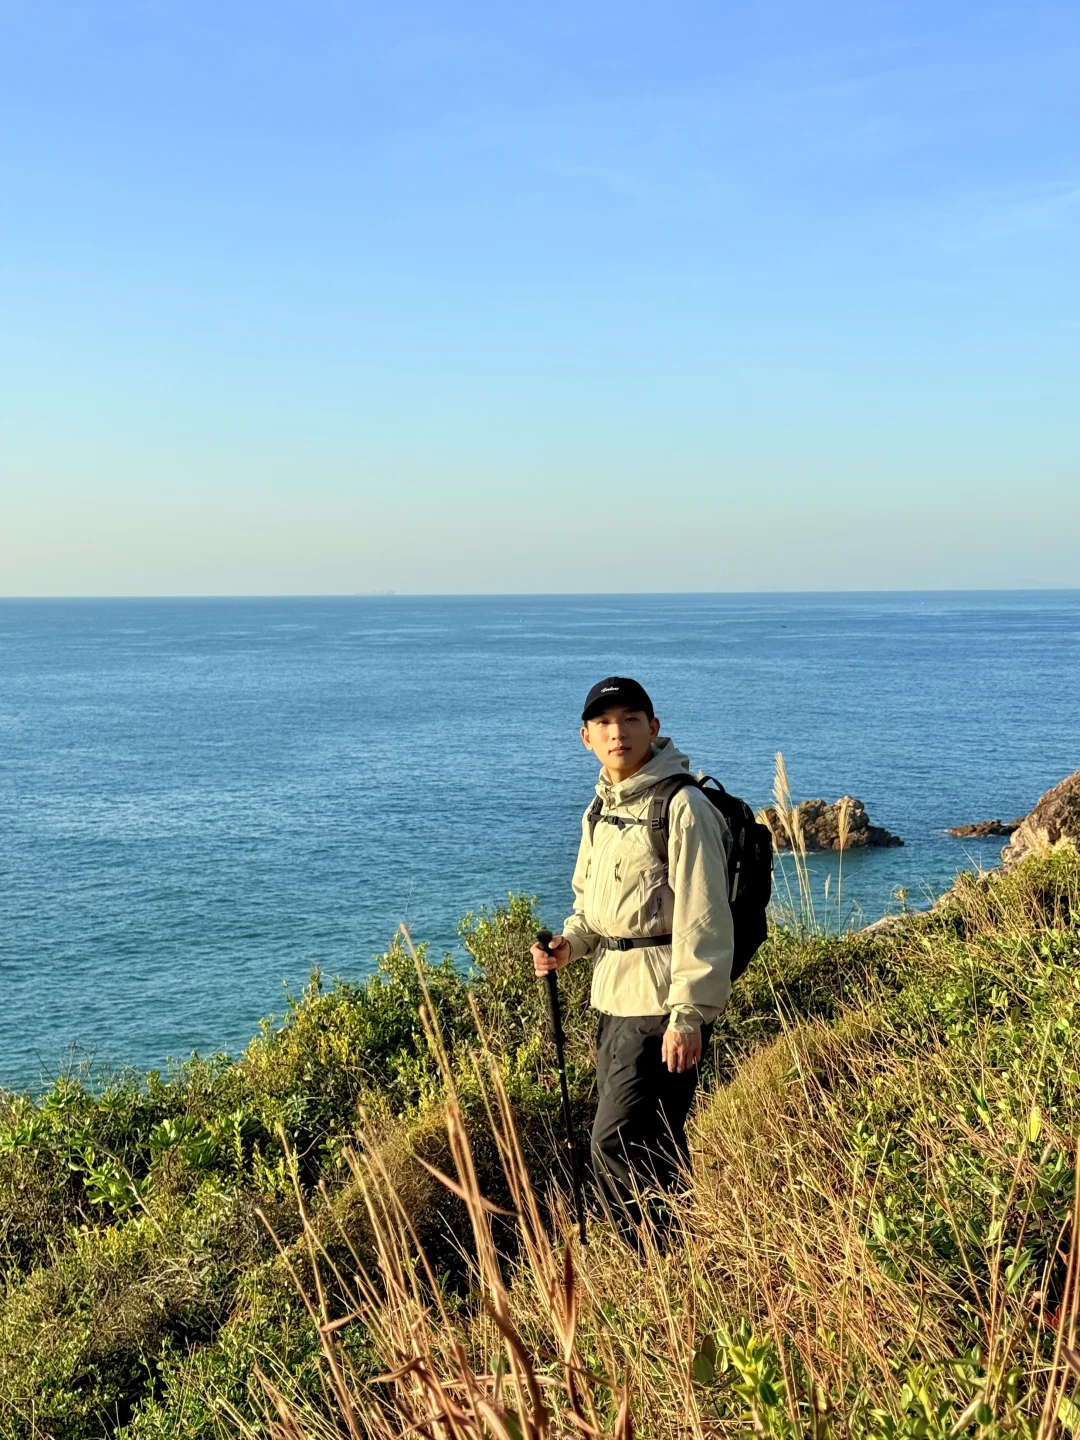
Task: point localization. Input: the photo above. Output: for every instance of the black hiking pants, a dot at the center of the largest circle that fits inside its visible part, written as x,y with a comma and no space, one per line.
639,1148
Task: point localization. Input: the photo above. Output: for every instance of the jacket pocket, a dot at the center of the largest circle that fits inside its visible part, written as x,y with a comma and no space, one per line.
654,902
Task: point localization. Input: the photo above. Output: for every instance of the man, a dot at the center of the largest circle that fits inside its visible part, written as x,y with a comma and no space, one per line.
657,997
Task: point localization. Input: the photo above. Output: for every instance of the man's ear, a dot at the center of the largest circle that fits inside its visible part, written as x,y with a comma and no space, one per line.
585,737
654,727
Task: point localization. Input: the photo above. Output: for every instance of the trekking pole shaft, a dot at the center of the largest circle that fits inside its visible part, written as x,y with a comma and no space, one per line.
551,982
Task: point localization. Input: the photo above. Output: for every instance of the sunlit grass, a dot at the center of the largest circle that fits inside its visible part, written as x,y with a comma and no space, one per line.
879,1239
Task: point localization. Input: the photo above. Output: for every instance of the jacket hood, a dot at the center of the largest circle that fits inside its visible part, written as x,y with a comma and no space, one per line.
667,759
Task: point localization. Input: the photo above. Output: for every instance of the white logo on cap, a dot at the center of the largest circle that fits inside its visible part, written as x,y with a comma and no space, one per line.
609,690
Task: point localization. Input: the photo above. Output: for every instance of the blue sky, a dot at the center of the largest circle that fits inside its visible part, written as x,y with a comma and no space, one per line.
332,297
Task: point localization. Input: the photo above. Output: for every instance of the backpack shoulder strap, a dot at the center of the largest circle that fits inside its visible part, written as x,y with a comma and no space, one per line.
664,791
594,815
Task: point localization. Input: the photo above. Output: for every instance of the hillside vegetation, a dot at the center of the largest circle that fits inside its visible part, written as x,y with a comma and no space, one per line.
878,1240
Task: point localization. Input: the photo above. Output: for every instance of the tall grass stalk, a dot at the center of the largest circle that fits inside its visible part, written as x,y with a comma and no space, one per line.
804,914
843,830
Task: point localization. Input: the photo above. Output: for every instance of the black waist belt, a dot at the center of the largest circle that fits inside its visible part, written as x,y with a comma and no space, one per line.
639,942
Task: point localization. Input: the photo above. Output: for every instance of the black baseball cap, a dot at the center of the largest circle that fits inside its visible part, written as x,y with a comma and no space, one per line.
616,690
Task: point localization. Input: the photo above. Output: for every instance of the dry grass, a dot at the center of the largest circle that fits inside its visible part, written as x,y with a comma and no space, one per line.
442,1377
877,1242
868,1249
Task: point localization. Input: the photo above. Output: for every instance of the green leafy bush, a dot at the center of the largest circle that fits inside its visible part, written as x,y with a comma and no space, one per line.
134,1265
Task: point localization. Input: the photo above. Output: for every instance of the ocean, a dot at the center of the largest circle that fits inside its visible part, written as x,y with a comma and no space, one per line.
200,800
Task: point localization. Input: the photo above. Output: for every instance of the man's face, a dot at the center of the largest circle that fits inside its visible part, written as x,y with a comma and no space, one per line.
621,740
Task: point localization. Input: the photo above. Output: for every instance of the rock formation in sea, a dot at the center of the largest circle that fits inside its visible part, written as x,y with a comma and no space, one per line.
985,829
1054,821
820,825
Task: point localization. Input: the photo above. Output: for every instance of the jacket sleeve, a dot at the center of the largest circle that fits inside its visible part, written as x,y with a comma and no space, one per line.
576,929
703,935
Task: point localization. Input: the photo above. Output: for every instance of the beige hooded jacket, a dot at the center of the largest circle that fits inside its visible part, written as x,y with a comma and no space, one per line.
621,891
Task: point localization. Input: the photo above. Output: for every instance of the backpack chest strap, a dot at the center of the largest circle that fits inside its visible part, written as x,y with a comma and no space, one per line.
663,792
597,817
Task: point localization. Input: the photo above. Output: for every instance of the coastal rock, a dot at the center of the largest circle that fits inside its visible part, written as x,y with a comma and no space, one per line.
1054,821
820,824
985,829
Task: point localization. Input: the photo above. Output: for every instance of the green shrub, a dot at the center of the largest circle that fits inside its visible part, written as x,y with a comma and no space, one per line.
134,1268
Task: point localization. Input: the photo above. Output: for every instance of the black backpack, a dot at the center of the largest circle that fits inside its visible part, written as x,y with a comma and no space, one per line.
749,857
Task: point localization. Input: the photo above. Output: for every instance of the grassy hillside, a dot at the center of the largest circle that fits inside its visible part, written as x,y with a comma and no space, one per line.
877,1240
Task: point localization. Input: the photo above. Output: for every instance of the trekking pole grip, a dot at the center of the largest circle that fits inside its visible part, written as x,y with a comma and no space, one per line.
551,984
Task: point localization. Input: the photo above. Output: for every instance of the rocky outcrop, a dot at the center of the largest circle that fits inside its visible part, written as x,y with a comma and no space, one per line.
985,829
1054,821
820,825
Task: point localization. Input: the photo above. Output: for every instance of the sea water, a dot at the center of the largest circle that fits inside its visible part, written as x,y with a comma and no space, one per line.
200,800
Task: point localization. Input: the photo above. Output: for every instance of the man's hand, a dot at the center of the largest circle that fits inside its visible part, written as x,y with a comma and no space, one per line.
553,959
681,1052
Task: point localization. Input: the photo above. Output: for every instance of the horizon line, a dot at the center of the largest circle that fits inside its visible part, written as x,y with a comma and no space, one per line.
176,596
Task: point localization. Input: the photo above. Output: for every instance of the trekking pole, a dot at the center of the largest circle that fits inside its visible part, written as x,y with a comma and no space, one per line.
551,979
